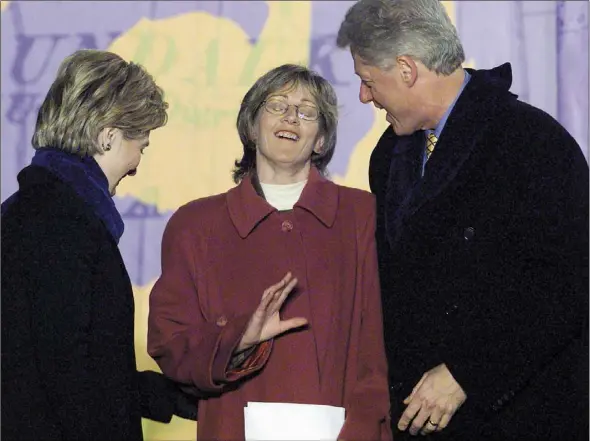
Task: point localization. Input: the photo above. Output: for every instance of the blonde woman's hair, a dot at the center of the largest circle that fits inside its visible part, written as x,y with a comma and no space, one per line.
93,90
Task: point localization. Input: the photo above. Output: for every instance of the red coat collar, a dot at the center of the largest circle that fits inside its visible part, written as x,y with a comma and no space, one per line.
247,208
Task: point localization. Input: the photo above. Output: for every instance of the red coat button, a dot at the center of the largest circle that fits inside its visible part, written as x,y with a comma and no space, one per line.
287,226
222,321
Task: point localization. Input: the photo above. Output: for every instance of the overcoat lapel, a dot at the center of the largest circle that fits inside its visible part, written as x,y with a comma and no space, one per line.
407,192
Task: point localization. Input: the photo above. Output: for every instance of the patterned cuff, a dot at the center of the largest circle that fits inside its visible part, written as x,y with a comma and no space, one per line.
250,361
238,359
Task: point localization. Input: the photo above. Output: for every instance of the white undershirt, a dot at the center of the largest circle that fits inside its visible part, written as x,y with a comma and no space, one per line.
282,196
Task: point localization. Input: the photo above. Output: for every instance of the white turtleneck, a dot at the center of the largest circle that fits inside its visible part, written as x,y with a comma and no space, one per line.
282,196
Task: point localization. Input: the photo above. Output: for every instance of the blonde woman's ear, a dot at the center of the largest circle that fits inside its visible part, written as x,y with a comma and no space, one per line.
107,138
103,141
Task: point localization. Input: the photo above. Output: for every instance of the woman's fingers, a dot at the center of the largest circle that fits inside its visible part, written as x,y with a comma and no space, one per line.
280,296
293,323
270,293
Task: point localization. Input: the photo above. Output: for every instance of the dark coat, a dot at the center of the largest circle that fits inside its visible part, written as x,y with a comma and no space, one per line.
68,361
484,265
220,253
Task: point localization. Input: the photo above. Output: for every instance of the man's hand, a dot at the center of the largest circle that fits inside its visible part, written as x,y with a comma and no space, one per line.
266,323
433,402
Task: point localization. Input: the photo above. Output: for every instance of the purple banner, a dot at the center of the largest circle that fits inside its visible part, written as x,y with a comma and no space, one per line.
572,68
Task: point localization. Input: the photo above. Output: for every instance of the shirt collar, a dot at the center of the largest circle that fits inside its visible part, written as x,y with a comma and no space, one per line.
441,124
247,209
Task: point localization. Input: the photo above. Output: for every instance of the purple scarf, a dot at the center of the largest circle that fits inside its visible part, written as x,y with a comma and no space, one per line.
88,180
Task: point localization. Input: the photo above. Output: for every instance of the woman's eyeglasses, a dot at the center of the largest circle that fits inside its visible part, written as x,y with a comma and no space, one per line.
304,111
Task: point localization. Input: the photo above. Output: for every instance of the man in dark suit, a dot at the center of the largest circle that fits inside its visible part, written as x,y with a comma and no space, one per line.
482,237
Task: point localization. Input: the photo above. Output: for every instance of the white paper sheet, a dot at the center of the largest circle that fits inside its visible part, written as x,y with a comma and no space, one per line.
288,422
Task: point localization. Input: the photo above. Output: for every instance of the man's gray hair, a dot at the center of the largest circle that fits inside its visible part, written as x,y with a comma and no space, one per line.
379,31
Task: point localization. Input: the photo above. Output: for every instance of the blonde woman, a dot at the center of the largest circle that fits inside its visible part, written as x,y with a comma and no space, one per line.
68,362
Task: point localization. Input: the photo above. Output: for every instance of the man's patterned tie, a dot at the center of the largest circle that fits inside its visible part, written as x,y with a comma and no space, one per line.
431,141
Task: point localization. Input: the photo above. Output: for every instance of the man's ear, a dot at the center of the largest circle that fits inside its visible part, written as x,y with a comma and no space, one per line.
408,70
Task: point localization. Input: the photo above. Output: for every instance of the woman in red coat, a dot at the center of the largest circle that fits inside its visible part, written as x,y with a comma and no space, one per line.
221,324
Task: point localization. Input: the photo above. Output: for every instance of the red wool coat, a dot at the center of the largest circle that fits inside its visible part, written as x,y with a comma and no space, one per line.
218,256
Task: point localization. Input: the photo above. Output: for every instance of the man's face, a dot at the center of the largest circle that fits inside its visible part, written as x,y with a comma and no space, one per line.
388,90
